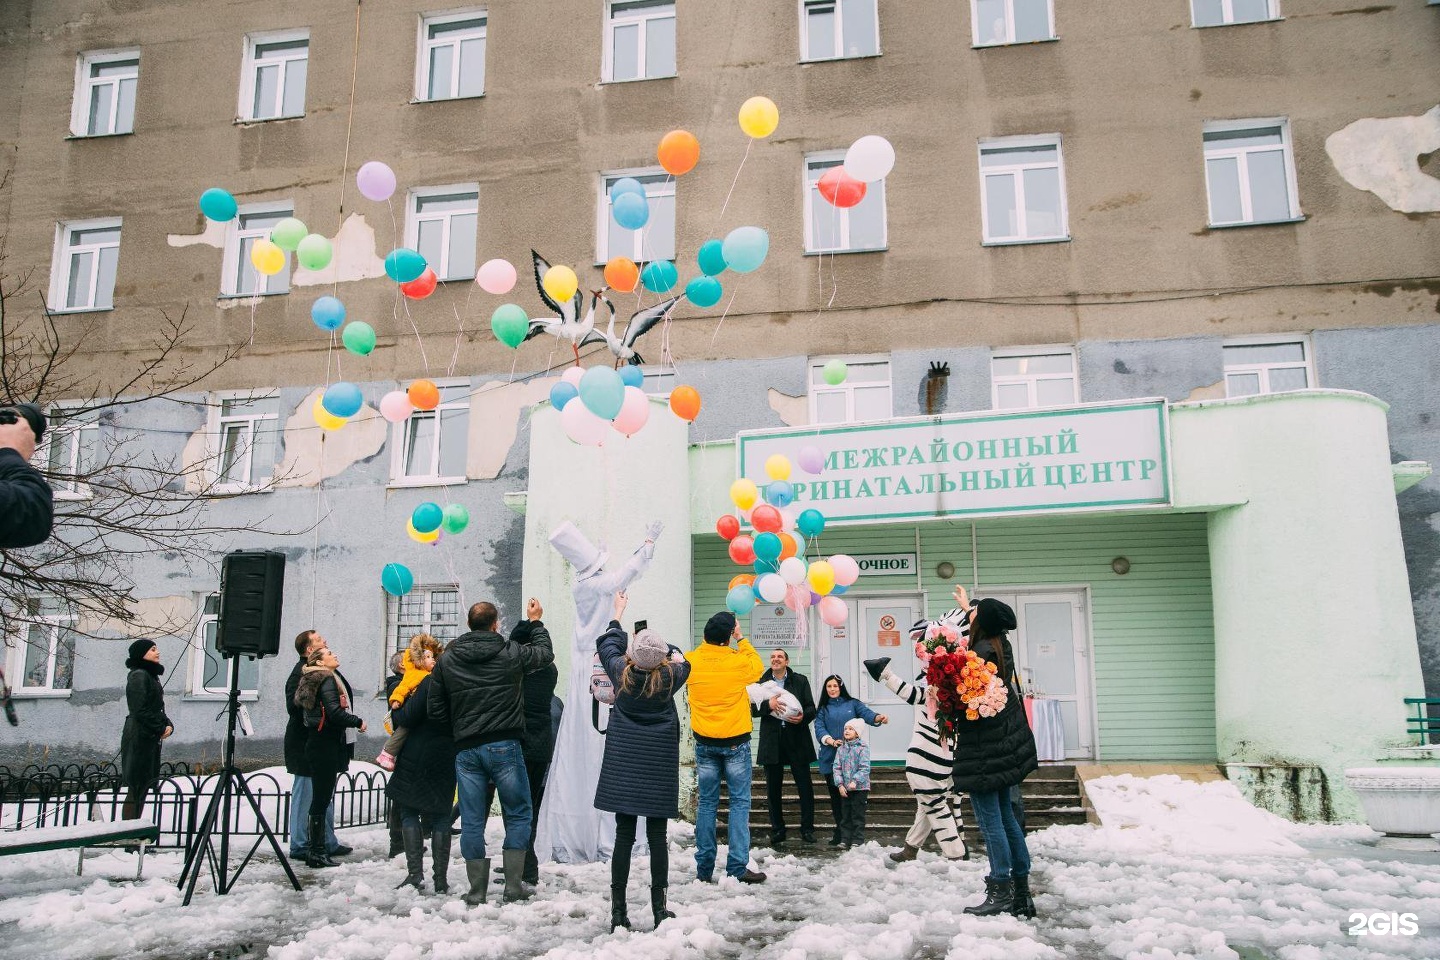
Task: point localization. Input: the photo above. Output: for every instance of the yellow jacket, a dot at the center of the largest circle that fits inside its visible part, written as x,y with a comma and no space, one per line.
411,680
719,706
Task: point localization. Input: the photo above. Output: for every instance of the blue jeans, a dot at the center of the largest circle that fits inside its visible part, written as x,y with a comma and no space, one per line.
300,793
733,763
1004,840
502,764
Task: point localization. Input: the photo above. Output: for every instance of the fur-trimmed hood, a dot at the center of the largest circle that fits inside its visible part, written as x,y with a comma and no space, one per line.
308,690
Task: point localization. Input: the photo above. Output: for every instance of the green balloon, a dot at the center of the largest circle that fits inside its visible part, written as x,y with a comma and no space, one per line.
358,337
457,518
510,323
288,233
314,252
836,372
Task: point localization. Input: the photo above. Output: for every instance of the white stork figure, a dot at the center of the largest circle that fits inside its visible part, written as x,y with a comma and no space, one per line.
568,322
641,323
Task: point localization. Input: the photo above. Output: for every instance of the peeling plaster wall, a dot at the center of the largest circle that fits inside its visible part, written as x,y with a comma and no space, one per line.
1173,369
313,455
496,412
967,387
733,395
1382,156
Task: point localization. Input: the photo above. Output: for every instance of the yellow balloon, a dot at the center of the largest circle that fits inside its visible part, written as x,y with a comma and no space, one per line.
822,577
759,117
561,283
419,537
777,467
326,419
268,258
744,493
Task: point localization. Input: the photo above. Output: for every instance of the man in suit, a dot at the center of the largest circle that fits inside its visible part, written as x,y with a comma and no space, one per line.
787,743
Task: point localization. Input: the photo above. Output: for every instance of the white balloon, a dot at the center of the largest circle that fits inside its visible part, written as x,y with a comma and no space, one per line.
792,570
582,426
772,588
572,376
870,158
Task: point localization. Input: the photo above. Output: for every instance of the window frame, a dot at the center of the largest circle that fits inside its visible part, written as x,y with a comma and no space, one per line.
424,45
393,640
665,190
839,31
1009,26
1030,140
413,219
1287,147
1227,15
195,688
72,433
653,373
235,236
400,435
85,85
1263,369
17,644
1031,381
607,66
217,421
813,198
65,250
249,72
847,388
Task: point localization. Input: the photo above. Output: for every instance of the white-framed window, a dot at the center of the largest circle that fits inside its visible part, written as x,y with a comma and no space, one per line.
639,39
1022,190
41,655
451,60
1268,364
87,253
838,29
210,672
441,224
1217,13
659,381
243,427
71,452
999,22
832,229
864,394
435,610
272,79
105,84
655,240
1023,378
239,278
1250,172
432,443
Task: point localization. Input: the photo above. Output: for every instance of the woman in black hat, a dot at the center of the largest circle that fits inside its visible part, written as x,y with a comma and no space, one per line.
145,725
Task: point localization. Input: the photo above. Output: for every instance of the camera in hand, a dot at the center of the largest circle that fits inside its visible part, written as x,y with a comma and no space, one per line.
30,413
641,625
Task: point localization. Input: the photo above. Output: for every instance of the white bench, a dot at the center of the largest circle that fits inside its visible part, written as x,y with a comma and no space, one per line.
95,833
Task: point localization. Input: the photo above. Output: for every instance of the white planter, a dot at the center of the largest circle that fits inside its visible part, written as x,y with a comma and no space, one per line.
1400,801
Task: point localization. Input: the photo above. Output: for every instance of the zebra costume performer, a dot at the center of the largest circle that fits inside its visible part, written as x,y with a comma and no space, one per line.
928,759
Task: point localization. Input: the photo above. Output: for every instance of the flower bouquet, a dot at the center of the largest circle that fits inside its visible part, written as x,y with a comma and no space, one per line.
961,684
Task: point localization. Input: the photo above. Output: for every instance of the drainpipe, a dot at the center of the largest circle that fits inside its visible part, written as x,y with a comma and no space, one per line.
936,380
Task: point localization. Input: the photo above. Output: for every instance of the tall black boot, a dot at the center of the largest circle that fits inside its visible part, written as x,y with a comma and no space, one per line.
657,905
619,917
999,894
1024,904
315,855
440,859
413,841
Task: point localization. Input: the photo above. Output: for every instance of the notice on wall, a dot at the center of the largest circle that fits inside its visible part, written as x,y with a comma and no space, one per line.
1045,650
773,625
887,635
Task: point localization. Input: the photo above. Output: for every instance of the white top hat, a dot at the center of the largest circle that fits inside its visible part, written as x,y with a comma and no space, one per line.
585,557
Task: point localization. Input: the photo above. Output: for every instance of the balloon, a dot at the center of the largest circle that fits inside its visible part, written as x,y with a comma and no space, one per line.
560,283
496,276
712,258
422,286
847,571
427,517
342,399
763,567
685,401
396,406
821,576
742,549
759,117
328,313
509,324
218,205
740,600
630,210
792,570
632,376
602,391
396,579
764,517
622,273
837,590
767,547
582,426
728,526
324,418
840,189
797,599
288,233
772,588
659,276
626,185
314,252
572,376
704,291
358,337
781,493
267,258
375,180
811,460
743,493
403,264
745,248
741,579
833,611
420,537
561,394
679,151
788,546
835,372
634,411
423,395
869,159
777,466
457,518
810,523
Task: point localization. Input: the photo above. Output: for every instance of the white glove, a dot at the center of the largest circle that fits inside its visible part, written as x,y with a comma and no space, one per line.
652,532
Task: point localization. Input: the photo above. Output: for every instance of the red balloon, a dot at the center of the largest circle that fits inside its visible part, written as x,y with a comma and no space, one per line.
727,526
742,550
766,519
421,287
841,189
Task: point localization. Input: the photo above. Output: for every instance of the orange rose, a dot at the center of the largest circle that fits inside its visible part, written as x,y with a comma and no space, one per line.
972,714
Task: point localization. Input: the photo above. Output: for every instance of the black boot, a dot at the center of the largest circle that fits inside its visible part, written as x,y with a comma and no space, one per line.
532,867
999,894
1024,904
478,873
618,915
657,906
414,843
440,859
315,855
515,887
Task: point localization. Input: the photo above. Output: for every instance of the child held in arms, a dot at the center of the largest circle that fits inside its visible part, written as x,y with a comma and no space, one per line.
417,662
852,777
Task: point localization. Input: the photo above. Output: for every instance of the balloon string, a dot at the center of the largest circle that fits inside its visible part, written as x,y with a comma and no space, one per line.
723,315
719,217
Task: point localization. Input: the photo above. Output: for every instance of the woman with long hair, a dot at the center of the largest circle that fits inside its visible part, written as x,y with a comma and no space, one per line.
836,709
327,719
145,725
640,772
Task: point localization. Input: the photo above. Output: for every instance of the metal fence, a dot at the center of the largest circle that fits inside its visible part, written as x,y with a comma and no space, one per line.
57,796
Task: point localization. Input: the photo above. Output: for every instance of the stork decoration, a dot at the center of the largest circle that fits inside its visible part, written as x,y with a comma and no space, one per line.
581,330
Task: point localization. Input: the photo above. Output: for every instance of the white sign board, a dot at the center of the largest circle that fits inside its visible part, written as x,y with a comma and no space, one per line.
885,564
772,625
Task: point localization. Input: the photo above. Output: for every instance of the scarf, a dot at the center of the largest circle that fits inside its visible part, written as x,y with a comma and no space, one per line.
307,692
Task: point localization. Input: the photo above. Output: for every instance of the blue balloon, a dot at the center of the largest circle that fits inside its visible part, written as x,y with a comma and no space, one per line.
810,523
561,394
602,391
837,590
396,579
328,313
712,258
740,600
630,210
745,248
626,185
765,566
632,376
768,547
217,204
780,493
403,264
659,276
342,399
427,517
704,291
755,588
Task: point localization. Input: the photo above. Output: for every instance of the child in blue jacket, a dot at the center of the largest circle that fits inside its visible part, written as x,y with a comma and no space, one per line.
852,780
836,709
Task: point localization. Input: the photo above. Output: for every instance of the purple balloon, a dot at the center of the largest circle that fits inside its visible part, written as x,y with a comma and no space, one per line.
375,180
811,460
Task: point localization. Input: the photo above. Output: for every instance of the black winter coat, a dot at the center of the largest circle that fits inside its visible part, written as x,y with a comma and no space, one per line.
538,744
995,753
782,742
146,721
478,689
295,732
27,505
326,720
424,777
640,773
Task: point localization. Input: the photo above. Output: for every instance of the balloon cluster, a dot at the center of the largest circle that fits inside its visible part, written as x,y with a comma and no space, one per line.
267,255
869,159
776,552
591,399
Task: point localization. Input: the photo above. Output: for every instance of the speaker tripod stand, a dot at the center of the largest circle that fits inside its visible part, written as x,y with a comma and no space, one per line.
217,822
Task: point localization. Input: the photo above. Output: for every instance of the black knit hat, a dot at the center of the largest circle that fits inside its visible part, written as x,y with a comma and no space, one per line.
719,627
992,617
138,649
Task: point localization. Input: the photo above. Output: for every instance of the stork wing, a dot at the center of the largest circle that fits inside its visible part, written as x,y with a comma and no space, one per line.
597,336
540,326
644,321
570,312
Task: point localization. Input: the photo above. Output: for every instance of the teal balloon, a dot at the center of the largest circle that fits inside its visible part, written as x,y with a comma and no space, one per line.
457,518
602,391
745,248
740,600
780,493
328,313
712,258
765,566
403,264
314,252
427,517
632,376
626,185
342,399
810,523
396,579
510,323
218,205
630,210
704,291
358,337
561,394
768,547
659,276
837,590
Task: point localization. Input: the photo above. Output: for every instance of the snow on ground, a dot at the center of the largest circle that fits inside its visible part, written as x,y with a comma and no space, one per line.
1174,877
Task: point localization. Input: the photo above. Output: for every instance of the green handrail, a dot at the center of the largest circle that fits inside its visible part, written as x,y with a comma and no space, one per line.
1422,725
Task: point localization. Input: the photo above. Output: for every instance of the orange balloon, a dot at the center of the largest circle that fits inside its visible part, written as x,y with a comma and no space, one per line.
622,273
423,395
679,152
685,401
741,579
787,546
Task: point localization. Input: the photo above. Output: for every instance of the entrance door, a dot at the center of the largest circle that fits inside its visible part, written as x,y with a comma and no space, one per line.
884,631
1053,652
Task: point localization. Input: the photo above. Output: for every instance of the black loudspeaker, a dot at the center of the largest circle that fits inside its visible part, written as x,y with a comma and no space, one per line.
252,591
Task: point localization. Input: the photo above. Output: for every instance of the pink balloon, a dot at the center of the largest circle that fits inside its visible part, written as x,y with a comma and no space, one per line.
634,411
396,406
847,571
797,598
833,611
572,376
496,276
582,426
811,460
375,180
